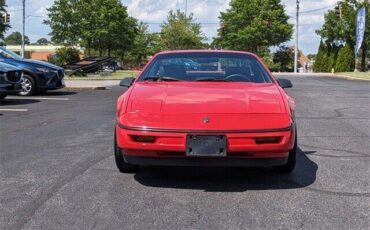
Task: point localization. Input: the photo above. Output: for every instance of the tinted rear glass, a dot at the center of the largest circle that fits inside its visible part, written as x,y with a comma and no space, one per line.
206,67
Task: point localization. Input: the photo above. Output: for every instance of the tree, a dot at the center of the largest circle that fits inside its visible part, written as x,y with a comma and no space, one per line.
181,32
65,55
15,38
42,41
320,58
285,58
252,24
145,44
345,61
94,24
63,21
343,31
3,25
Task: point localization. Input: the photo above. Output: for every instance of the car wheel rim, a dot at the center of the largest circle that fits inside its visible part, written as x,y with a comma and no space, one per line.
26,86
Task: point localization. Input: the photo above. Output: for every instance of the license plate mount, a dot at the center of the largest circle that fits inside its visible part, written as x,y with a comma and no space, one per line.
206,145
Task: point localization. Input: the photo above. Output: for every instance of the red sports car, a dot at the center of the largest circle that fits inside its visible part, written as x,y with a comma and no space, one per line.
230,111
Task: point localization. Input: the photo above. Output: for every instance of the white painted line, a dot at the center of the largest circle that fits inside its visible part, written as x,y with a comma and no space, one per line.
14,110
41,98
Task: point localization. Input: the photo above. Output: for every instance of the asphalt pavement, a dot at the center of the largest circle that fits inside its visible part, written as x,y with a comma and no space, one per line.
57,169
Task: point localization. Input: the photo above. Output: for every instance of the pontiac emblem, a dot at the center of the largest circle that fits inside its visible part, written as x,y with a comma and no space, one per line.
206,120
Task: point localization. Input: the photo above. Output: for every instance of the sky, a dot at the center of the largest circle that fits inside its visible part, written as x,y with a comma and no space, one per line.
155,11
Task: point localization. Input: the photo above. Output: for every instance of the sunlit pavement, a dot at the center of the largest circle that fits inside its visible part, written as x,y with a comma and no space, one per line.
57,169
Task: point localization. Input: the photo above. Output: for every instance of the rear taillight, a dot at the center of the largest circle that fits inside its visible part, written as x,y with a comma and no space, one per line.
267,140
143,139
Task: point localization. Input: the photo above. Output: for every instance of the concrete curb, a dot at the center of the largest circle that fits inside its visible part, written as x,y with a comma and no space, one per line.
91,84
351,78
319,75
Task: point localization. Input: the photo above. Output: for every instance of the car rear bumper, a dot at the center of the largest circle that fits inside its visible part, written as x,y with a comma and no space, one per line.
169,148
206,162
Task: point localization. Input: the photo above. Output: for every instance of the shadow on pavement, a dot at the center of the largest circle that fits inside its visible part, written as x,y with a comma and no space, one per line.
18,101
58,93
229,179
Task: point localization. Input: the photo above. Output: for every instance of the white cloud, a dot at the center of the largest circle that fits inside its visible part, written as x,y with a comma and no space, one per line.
155,11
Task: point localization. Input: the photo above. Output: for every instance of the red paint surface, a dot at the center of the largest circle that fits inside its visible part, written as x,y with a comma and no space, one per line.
184,105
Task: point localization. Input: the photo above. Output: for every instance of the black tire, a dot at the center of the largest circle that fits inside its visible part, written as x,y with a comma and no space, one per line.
42,91
122,166
289,166
2,97
28,86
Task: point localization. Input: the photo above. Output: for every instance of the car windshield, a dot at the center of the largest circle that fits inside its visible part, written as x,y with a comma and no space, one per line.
4,53
208,66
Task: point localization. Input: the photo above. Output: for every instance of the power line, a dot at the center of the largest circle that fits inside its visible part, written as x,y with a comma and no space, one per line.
319,9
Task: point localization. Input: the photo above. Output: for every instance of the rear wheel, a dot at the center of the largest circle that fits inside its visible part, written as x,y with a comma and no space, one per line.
28,86
120,162
289,166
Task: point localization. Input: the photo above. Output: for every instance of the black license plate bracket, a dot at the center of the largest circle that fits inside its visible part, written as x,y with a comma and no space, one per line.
206,145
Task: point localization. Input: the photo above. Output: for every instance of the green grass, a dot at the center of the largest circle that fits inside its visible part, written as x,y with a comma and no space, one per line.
359,75
118,75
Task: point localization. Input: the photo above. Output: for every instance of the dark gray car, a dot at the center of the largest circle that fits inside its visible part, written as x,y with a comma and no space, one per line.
10,80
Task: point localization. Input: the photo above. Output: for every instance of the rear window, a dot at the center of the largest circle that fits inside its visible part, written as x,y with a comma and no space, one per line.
206,67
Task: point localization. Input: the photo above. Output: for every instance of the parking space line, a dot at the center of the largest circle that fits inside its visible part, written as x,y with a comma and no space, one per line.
42,98
14,110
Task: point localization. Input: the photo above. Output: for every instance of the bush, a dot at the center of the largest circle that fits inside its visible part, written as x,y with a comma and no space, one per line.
65,55
346,60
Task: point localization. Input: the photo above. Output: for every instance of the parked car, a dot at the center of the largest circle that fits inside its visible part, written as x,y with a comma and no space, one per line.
235,115
188,63
38,76
10,80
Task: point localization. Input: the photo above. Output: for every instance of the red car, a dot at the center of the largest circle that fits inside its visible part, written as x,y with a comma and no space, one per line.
228,112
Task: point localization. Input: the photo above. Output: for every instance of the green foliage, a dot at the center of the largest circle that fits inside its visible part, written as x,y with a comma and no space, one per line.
181,32
15,38
65,55
42,41
252,24
284,58
326,58
343,31
321,61
345,61
3,26
145,45
102,25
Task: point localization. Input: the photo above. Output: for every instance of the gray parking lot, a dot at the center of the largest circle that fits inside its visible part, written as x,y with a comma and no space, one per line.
57,169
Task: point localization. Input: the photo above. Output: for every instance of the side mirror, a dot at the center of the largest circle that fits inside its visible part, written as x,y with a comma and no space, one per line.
284,83
127,82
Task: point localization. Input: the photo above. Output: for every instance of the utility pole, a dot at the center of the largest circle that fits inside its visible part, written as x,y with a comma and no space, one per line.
186,8
24,26
296,40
